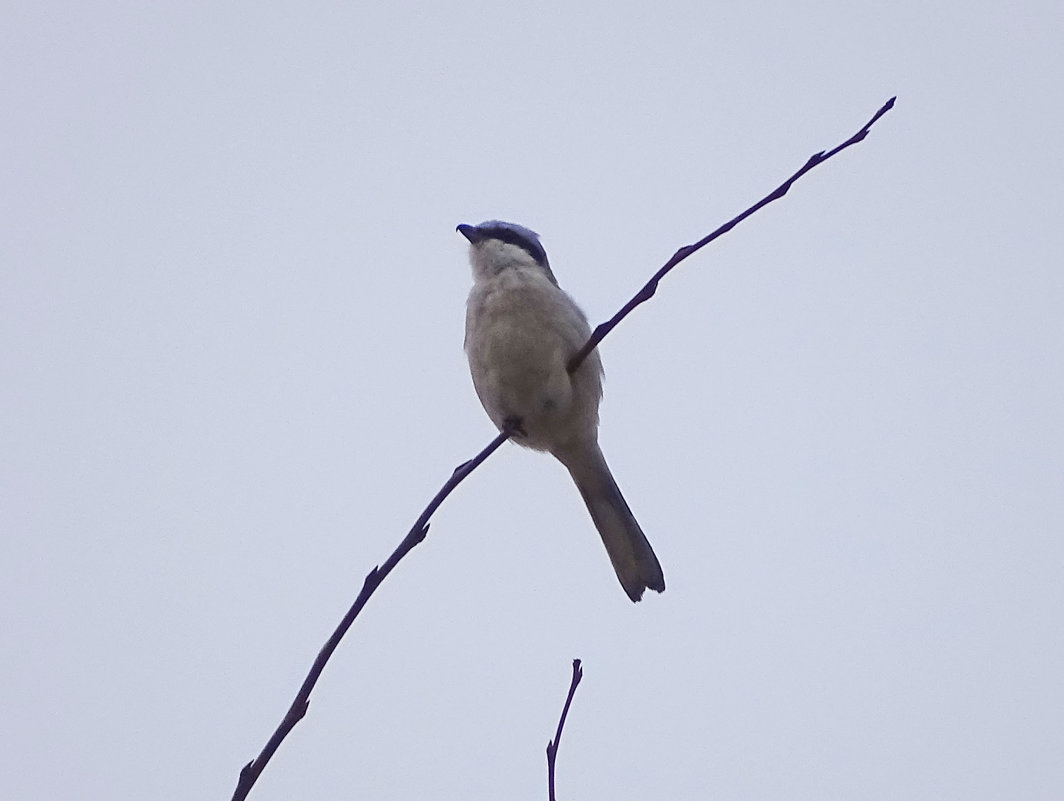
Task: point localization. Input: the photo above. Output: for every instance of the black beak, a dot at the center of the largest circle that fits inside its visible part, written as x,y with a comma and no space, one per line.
470,232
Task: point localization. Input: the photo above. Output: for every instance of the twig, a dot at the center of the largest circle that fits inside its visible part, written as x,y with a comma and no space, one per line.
651,286
552,746
250,772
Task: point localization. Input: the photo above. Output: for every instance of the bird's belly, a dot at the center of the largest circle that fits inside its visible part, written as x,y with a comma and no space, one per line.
520,375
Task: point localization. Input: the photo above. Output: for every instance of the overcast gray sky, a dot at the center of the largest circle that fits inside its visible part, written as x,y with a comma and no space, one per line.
231,376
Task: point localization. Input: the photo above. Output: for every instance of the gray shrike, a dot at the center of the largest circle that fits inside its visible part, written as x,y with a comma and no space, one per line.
521,331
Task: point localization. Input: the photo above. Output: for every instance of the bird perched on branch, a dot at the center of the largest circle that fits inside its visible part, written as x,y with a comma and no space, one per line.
521,331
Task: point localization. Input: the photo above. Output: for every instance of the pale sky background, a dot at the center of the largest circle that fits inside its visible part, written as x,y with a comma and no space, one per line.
231,376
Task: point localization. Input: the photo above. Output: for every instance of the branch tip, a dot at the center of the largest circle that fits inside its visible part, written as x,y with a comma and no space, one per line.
552,746
648,289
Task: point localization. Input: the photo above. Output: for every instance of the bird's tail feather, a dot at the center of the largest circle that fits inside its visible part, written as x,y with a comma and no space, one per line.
633,559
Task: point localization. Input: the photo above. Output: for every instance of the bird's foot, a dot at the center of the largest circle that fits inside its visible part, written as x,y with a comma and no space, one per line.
513,427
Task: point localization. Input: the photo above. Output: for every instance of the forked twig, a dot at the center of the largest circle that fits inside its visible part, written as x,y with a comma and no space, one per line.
651,286
552,746
250,772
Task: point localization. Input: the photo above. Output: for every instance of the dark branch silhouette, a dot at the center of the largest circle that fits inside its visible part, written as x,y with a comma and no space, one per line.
251,771
552,746
651,286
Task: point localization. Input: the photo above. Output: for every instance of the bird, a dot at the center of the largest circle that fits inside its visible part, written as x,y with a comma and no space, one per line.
521,330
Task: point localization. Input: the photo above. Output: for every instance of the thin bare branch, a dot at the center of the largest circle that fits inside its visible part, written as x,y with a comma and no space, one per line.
651,286
251,771
552,746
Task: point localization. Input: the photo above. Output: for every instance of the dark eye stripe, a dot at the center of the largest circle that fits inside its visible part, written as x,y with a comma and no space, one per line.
513,237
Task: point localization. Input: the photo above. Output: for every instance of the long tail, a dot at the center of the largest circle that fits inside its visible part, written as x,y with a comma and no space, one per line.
632,557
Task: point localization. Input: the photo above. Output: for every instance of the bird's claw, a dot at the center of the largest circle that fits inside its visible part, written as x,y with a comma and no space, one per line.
513,427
